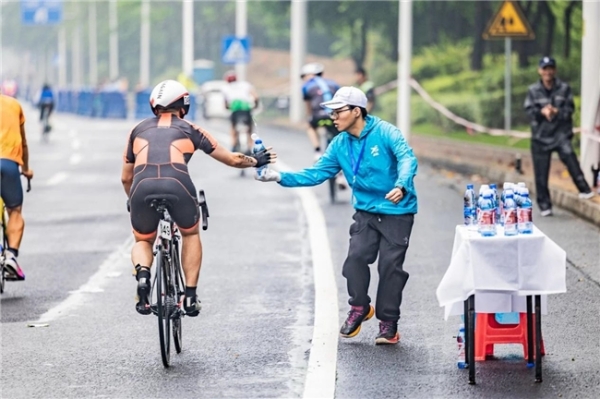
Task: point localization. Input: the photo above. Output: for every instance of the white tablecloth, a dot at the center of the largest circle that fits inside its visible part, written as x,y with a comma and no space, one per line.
501,269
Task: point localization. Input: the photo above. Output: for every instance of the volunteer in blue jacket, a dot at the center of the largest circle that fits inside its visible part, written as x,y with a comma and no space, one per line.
380,168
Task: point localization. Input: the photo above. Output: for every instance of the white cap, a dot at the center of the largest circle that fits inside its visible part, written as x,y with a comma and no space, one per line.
346,95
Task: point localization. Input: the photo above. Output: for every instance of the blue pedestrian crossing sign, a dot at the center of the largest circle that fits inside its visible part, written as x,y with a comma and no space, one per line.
41,12
235,50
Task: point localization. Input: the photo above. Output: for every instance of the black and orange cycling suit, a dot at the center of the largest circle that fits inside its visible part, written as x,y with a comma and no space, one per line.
160,149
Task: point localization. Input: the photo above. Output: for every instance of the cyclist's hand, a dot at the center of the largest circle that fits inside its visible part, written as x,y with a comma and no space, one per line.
28,173
264,157
267,174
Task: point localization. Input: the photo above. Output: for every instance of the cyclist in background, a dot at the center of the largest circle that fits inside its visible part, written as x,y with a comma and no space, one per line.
14,153
155,163
316,90
241,99
46,103
366,86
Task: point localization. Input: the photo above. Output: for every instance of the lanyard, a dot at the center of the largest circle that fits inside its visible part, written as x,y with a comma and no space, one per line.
356,162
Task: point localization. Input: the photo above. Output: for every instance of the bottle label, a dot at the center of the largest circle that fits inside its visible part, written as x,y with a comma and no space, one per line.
510,217
524,215
486,217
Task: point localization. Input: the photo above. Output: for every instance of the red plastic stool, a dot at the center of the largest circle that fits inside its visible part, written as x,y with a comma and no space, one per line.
489,332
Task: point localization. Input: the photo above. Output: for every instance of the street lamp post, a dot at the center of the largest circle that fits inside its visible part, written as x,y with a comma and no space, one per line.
298,52
145,45
114,40
93,44
188,38
241,30
404,60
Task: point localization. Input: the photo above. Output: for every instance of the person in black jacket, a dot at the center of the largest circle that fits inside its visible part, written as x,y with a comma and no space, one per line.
549,104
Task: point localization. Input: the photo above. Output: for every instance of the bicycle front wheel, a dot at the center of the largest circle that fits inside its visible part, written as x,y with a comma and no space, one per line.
163,311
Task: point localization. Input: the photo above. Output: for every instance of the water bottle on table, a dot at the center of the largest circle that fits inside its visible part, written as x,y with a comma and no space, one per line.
487,212
469,207
258,147
496,200
525,214
510,214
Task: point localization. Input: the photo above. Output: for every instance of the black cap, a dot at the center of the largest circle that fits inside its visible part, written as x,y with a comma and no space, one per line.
547,62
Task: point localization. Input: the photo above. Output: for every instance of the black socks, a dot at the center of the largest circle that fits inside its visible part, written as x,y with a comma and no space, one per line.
15,252
190,292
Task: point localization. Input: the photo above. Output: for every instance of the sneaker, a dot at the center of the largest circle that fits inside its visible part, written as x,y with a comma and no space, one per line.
586,195
388,333
13,270
142,305
356,316
192,306
546,212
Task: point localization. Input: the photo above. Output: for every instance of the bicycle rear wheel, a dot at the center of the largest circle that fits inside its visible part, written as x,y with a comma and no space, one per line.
162,304
179,293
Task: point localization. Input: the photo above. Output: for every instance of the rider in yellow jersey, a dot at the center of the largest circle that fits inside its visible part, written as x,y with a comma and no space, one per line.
14,154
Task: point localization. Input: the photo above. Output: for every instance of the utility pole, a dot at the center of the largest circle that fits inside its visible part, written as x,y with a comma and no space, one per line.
93,38
188,38
76,58
241,30
298,52
404,60
114,40
145,45
590,86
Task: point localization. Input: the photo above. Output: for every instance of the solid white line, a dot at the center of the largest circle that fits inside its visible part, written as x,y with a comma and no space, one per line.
56,179
112,266
322,361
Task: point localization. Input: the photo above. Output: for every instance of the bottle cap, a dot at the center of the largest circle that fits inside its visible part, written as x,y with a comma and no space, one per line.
521,184
469,186
254,137
493,185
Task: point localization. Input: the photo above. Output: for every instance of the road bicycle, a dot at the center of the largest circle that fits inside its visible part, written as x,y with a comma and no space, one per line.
327,129
169,281
4,240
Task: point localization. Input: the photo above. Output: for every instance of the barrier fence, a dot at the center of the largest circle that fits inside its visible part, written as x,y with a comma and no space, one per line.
109,104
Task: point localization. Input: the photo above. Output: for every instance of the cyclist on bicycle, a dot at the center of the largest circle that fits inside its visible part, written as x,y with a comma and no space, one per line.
14,153
155,163
315,91
241,99
46,103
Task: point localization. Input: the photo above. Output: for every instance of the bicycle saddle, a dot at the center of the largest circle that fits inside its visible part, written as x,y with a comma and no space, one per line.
167,200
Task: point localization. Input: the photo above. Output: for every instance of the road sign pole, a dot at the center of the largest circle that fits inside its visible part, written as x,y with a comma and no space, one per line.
507,82
241,30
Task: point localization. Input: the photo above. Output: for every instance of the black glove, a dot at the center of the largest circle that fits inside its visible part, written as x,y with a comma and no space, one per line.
128,206
262,158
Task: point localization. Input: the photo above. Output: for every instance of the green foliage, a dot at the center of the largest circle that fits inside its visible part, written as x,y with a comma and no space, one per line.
441,59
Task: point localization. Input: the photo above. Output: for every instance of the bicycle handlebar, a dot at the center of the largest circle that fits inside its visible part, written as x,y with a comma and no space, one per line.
203,208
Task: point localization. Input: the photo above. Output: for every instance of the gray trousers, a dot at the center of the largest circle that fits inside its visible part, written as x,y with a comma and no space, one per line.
387,236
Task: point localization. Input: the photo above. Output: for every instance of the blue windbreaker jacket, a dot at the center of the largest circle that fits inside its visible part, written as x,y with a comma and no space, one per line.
387,161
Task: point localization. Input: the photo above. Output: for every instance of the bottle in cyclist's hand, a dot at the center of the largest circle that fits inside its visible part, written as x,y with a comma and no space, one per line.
258,147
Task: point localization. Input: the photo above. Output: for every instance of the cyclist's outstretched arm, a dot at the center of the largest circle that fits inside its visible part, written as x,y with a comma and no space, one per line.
239,160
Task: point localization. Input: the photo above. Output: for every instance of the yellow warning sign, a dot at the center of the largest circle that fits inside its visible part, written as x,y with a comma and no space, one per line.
509,21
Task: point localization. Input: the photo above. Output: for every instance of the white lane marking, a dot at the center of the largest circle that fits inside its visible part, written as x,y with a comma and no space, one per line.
322,361
75,158
56,179
76,144
95,284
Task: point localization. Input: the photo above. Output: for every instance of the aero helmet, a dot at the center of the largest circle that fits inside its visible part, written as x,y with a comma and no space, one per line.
230,76
170,94
314,68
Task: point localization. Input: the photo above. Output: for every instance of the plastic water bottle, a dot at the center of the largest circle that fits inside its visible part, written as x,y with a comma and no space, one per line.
510,215
525,214
482,189
469,206
486,225
506,186
518,191
496,199
461,362
258,147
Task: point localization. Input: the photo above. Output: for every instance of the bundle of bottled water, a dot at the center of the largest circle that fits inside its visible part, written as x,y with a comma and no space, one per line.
488,213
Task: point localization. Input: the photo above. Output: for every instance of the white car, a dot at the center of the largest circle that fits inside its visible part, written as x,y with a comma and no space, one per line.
212,100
